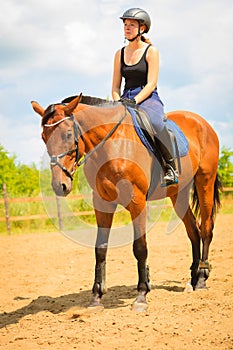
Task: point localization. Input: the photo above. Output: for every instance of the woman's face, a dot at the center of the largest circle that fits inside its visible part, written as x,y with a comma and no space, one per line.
130,28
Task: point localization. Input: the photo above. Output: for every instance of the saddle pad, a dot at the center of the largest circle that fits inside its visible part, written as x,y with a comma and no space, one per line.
181,140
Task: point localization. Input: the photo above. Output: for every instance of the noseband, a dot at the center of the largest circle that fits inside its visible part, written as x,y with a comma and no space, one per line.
54,160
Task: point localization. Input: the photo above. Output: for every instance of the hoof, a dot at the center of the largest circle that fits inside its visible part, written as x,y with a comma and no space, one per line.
201,284
139,307
188,288
96,304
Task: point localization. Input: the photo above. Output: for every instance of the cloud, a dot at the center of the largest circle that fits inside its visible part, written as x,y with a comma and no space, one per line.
58,35
224,131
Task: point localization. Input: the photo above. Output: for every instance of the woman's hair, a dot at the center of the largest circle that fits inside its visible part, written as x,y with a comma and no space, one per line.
146,40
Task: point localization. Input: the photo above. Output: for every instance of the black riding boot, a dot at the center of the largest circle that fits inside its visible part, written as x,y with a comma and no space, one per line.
167,151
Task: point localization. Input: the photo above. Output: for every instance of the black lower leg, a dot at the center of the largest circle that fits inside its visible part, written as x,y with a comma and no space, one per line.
140,252
194,273
143,278
99,287
199,274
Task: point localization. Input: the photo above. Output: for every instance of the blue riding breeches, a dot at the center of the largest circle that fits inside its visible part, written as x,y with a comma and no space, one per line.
153,106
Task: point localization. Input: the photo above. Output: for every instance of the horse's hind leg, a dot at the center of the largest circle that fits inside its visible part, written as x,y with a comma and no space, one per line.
206,201
182,208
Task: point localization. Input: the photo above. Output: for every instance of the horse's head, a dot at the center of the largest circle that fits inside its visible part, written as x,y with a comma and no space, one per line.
61,134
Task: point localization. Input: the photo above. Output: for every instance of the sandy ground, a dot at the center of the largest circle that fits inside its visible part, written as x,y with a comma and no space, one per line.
46,282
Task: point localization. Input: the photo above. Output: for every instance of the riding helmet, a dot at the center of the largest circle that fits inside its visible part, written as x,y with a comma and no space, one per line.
139,15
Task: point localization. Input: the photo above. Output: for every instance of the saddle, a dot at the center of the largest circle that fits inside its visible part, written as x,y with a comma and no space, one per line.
145,131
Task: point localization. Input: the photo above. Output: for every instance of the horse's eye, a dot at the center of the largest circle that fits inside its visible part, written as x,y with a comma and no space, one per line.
66,137
69,136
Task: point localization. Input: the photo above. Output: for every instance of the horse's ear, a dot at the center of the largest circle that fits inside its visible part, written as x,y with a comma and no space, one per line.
37,108
72,105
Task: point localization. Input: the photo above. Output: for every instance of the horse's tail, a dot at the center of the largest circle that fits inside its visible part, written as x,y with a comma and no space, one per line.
216,200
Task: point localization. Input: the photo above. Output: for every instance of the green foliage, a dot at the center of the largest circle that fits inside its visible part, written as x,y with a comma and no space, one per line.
21,180
225,167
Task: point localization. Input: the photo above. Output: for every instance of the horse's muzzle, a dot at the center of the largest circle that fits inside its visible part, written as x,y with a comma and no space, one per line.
62,188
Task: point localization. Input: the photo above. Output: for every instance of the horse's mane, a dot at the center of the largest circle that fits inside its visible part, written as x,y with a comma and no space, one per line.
87,100
48,113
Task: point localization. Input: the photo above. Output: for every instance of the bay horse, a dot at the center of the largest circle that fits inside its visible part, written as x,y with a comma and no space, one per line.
119,170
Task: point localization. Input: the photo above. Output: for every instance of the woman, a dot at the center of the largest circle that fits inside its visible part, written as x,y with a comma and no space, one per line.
138,64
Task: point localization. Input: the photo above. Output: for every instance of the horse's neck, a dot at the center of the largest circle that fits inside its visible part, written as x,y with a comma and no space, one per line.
97,122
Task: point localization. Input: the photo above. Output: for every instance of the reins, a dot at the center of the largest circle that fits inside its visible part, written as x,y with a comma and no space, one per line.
54,159
111,132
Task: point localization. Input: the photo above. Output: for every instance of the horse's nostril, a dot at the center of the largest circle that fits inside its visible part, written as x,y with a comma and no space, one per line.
63,186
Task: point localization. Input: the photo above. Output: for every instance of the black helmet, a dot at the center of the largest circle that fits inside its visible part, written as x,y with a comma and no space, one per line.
139,15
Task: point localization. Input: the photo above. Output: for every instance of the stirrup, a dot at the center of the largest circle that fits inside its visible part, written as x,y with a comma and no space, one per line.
171,177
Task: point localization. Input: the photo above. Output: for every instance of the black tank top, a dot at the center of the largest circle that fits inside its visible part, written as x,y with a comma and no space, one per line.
135,75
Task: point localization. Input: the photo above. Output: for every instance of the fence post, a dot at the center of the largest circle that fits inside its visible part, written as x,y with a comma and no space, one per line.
8,226
59,213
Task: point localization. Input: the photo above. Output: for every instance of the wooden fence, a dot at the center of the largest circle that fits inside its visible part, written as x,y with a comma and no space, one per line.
7,201
9,218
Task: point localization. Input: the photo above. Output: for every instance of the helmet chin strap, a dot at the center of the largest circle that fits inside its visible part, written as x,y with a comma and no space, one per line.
134,37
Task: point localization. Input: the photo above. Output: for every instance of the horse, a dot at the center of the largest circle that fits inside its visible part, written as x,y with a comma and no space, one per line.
119,170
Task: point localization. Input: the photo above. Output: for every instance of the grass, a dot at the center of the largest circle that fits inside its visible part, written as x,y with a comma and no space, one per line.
158,211
226,204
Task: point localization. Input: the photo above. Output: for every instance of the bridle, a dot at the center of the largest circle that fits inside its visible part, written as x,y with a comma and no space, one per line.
54,159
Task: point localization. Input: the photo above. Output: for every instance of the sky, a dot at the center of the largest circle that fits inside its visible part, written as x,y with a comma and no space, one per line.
52,49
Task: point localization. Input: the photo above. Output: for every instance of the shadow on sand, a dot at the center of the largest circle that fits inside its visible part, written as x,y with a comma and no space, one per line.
114,298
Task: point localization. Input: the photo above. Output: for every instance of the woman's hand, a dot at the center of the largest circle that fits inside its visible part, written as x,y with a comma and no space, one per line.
128,102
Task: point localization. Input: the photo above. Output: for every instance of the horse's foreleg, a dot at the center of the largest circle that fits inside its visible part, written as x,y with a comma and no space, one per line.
104,221
99,286
140,253
143,287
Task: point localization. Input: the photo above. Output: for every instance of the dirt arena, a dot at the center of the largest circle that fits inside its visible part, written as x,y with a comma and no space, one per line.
46,282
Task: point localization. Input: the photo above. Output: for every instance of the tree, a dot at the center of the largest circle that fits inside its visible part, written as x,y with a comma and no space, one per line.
27,180
225,167
7,169
20,179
